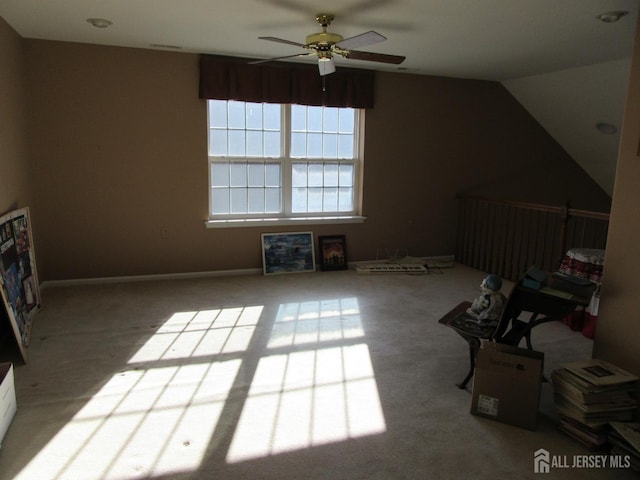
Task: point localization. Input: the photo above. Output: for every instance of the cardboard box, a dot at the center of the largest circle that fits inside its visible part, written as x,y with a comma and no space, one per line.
507,384
8,404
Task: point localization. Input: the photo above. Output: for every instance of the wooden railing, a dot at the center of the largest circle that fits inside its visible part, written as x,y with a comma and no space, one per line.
506,237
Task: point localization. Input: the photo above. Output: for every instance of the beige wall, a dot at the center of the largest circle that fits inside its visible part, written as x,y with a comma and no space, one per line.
118,152
14,167
618,329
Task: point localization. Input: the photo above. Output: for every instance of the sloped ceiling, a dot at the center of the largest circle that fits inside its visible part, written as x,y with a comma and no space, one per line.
570,104
566,67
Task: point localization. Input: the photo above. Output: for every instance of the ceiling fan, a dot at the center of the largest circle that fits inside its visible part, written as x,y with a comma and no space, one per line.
325,45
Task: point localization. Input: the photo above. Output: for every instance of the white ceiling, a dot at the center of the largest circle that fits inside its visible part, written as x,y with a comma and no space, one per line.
542,50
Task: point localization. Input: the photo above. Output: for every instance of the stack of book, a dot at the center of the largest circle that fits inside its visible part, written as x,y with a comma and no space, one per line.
589,396
625,442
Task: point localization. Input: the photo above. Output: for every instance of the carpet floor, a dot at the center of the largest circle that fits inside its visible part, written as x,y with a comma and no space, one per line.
327,375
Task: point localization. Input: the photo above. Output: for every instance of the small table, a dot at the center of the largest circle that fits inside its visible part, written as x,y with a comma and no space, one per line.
551,303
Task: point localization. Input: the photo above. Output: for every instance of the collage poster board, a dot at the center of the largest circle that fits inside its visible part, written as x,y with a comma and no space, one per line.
18,275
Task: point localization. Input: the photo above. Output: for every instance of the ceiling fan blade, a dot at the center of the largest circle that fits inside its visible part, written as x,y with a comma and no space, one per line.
373,57
281,58
326,66
367,38
281,40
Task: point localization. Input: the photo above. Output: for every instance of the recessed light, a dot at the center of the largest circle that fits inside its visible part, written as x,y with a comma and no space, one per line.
99,22
606,128
612,17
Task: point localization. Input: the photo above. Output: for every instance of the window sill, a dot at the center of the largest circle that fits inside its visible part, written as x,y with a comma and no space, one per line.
265,222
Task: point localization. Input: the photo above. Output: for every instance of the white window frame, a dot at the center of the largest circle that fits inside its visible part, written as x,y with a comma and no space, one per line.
286,216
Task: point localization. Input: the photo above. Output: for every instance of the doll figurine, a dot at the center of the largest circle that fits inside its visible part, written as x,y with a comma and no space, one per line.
488,307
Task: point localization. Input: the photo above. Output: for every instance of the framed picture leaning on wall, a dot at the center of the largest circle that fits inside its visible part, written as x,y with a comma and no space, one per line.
288,253
333,252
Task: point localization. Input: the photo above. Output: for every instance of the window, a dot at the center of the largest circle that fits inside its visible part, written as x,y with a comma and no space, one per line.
272,162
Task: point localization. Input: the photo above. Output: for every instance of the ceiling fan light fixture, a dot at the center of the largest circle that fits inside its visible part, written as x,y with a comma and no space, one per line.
99,22
323,38
326,66
612,17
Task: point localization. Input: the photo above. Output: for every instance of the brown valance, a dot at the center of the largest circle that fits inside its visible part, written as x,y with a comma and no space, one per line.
229,78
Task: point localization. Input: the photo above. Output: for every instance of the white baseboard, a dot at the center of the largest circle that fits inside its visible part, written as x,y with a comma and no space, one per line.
144,278
436,261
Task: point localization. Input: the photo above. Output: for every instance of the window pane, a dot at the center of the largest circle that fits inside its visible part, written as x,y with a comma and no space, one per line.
345,146
237,143
272,200
330,200
219,201
347,120
299,175
238,200
272,144
254,143
331,175
314,199
314,119
346,175
330,120
299,145
217,143
272,175
330,146
246,130
272,116
315,175
256,200
314,149
299,200
238,175
256,174
218,113
254,116
298,118
345,199
219,174
236,114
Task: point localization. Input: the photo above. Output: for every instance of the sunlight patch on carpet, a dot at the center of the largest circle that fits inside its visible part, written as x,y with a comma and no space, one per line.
157,417
321,389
